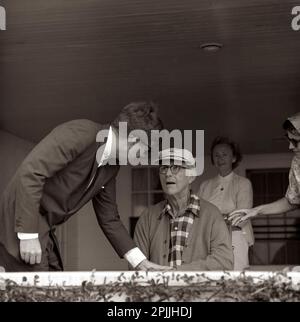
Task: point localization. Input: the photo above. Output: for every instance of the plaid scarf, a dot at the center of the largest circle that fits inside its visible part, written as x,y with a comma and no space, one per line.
179,228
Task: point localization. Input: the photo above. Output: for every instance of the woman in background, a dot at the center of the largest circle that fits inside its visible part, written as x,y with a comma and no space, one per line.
229,191
291,200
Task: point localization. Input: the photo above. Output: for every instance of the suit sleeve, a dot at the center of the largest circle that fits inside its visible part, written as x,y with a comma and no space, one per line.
142,235
220,256
109,220
48,157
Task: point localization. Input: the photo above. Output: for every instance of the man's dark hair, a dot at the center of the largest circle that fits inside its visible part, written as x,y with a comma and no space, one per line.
234,148
139,116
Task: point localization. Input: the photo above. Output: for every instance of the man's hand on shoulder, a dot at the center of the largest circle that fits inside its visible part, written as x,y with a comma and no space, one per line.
30,251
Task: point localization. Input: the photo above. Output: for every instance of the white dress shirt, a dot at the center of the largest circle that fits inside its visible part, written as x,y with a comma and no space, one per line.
221,194
228,194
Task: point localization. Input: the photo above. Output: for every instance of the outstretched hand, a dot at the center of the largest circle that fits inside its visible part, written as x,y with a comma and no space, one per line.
146,265
237,217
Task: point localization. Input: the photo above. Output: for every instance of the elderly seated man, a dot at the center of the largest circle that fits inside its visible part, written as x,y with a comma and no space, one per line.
184,231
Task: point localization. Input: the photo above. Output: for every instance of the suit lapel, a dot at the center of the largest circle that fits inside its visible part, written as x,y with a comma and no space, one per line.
95,163
102,176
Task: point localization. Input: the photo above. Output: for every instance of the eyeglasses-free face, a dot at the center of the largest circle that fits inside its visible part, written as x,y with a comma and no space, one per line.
293,141
163,169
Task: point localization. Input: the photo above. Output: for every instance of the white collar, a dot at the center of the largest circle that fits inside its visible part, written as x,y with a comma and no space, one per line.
227,178
108,147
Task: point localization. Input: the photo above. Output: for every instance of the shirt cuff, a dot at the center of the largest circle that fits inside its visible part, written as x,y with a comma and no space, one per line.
25,236
134,256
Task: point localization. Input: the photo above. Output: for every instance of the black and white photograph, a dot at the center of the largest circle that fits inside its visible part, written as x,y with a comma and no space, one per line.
150,152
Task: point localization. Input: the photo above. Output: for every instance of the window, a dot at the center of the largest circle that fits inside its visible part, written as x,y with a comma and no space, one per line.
277,237
146,191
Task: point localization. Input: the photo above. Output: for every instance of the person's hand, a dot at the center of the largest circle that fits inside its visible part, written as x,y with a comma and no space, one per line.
146,265
30,251
237,217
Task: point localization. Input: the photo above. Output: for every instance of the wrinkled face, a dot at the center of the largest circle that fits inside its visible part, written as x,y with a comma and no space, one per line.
294,141
223,158
174,180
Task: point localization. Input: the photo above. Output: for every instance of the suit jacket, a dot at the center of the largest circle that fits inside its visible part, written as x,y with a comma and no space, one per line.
52,184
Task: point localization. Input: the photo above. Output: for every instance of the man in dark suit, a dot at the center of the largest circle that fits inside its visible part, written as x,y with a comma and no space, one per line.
60,175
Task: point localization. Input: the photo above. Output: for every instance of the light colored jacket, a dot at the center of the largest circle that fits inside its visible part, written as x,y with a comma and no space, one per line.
241,194
208,246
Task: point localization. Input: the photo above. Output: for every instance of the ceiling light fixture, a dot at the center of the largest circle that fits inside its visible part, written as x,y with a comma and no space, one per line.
211,47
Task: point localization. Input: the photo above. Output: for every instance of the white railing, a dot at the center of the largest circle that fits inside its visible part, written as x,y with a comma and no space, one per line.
45,279
208,282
